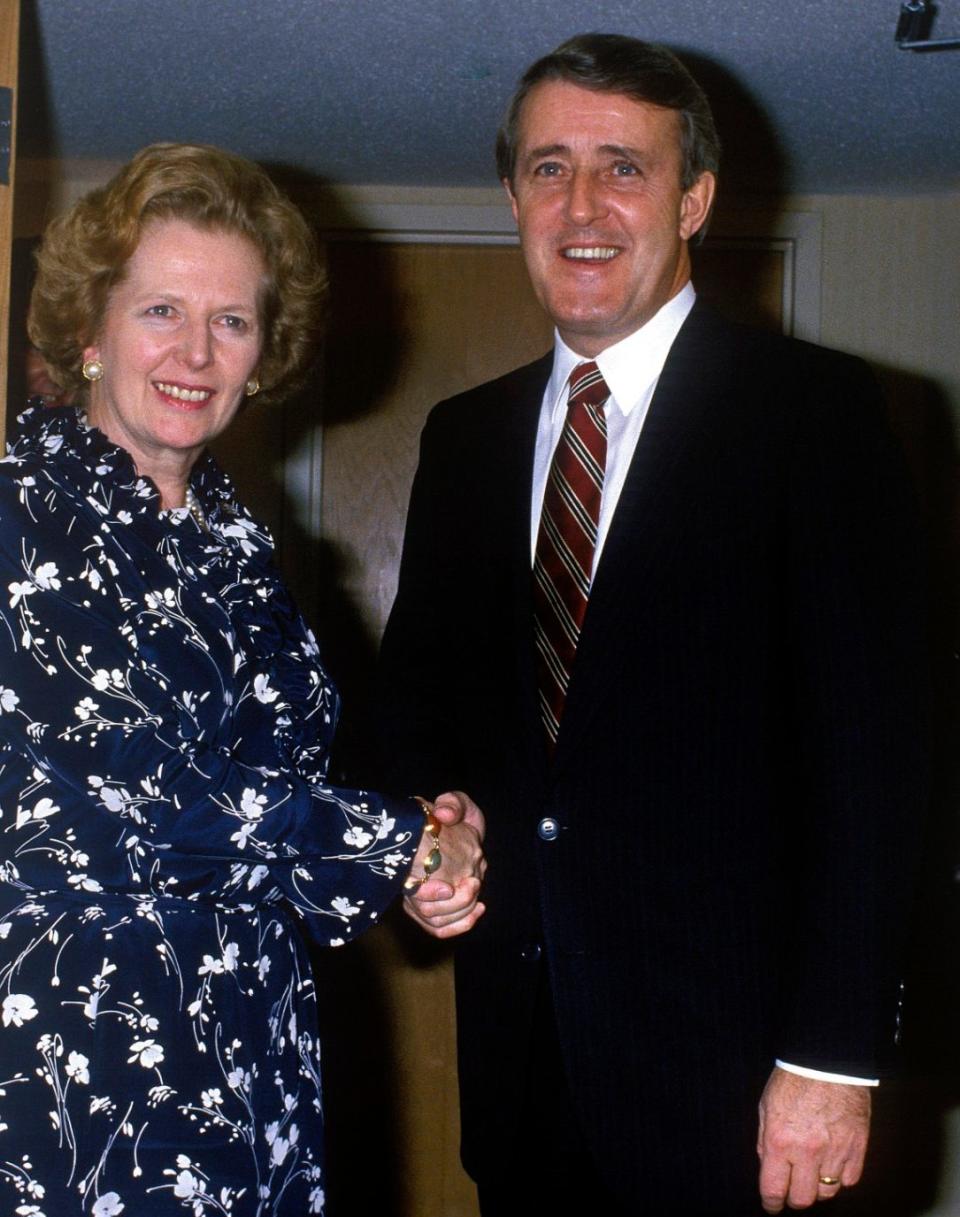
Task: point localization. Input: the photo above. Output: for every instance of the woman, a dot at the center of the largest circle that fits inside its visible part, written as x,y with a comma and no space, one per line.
167,831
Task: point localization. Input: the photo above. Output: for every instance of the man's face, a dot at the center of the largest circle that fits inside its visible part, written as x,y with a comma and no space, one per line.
603,221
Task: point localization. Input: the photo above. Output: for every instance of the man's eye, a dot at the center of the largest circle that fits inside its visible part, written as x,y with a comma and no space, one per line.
547,169
625,169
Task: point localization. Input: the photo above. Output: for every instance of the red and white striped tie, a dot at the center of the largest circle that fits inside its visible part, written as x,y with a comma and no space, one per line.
567,539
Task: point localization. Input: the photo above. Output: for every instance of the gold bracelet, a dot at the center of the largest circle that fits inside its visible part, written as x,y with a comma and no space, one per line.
434,858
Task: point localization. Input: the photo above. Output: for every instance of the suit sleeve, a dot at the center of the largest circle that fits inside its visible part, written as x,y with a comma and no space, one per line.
857,663
415,744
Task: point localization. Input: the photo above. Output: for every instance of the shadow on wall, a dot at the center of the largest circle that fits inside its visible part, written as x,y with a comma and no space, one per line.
910,1161
754,159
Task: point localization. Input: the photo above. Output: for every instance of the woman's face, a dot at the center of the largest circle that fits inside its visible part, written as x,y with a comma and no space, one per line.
181,337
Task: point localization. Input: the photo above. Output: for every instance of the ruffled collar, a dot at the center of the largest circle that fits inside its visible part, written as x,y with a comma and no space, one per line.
109,479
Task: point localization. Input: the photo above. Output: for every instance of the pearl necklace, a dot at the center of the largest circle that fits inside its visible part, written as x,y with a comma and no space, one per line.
193,506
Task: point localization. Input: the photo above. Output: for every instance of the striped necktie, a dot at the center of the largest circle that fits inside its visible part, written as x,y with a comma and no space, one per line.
567,539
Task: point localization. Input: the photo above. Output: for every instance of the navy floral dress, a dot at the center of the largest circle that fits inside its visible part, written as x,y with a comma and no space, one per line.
166,837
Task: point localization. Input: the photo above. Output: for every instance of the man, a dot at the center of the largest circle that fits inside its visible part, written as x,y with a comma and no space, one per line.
655,613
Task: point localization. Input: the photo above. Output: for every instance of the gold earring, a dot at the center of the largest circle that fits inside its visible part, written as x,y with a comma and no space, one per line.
92,370
253,386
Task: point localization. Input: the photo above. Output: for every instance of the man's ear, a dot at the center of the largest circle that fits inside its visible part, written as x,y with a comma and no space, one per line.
696,204
511,196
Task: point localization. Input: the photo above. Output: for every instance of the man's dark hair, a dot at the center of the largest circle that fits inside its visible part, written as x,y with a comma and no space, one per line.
614,63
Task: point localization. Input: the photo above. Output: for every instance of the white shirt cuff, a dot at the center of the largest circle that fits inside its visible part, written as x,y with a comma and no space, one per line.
819,1076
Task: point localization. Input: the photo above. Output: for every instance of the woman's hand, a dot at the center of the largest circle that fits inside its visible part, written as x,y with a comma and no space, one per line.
447,902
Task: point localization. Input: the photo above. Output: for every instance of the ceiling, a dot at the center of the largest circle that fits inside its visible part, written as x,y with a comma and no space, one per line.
811,95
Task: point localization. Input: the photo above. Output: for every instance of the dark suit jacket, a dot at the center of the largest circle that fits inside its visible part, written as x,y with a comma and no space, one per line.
738,770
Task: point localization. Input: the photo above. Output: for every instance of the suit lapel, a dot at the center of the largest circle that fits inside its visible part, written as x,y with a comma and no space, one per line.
687,402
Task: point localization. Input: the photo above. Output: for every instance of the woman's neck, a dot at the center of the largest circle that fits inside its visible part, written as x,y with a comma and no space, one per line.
168,468
173,490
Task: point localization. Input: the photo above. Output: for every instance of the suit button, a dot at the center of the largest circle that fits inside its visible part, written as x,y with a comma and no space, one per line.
530,951
548,829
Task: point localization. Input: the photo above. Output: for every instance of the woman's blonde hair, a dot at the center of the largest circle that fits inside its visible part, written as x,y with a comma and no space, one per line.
85,253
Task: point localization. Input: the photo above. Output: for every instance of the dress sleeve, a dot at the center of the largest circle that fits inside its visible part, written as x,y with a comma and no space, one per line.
123,768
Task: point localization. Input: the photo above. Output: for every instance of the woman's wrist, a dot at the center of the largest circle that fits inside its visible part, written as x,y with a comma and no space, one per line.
431,837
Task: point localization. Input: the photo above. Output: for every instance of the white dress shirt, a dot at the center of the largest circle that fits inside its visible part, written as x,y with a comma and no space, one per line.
631,368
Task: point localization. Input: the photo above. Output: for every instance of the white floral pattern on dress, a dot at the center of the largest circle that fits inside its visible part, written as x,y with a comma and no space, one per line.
166,833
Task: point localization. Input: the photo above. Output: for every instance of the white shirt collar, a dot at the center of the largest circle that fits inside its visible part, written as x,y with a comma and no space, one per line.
631,365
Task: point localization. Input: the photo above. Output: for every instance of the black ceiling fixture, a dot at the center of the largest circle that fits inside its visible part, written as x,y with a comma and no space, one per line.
913,28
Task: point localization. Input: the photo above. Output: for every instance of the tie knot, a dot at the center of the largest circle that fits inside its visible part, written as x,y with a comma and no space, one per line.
587,385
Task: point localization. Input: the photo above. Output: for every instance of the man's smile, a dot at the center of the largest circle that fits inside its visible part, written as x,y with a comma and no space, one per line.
590,253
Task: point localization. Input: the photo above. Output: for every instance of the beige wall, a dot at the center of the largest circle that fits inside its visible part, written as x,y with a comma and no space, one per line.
891,282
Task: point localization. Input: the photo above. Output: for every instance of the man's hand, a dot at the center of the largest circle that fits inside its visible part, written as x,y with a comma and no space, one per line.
810,1131
448,902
